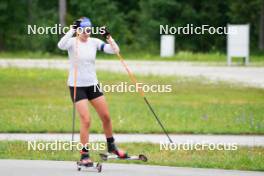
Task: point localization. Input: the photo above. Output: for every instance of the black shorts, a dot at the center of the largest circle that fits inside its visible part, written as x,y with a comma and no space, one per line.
90,92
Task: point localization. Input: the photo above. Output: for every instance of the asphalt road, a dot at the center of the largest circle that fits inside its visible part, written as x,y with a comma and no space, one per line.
68,168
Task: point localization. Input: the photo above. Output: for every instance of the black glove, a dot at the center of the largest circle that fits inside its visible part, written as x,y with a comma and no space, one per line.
106,33
76,24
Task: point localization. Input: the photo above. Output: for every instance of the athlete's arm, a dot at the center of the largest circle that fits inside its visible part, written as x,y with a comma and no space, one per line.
107,48
65,42
111,49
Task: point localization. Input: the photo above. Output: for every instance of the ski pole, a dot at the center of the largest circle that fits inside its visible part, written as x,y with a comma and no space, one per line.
133,79
74,90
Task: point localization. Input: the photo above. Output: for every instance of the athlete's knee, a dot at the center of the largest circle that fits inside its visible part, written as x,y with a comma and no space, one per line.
106,118
85,120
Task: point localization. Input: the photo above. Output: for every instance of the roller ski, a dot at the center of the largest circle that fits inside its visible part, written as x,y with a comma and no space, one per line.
116,154
86,163
110,156
97,166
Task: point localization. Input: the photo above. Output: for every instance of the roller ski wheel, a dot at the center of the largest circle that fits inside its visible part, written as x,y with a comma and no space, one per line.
97,166
142,158
111,156
103,156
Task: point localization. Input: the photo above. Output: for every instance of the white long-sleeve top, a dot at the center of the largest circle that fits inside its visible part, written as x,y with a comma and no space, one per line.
83,54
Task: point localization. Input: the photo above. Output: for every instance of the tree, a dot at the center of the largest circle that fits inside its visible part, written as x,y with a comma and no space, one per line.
247,12
62,12
261,27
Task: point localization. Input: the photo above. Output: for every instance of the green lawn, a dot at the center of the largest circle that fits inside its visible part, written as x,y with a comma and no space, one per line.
37,100
29,54
216,58
212,58
244,158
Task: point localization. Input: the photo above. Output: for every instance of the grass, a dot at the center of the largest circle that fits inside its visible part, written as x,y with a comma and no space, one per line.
244,158
30,55
37,100
211,58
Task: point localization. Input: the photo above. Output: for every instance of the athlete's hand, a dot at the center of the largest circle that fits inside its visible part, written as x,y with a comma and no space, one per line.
106,33
76,24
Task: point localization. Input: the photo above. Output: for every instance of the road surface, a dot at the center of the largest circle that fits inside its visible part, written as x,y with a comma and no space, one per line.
68,168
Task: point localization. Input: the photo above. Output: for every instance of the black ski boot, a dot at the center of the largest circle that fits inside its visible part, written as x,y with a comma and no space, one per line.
85,159
113,149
